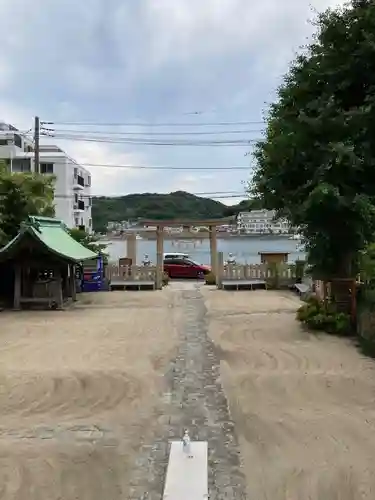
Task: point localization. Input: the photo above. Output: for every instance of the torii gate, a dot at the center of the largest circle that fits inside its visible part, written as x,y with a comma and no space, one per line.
160,233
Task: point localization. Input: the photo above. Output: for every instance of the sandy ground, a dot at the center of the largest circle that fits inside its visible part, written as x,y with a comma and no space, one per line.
80,392
303,406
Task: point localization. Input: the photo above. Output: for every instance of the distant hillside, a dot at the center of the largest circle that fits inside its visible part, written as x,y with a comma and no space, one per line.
178,205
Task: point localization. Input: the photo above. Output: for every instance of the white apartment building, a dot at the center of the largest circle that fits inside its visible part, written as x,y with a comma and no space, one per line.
261,222
73,182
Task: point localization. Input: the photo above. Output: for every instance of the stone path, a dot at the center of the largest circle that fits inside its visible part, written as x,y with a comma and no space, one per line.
195,401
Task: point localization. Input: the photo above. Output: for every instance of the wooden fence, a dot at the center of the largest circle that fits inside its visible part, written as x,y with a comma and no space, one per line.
115,272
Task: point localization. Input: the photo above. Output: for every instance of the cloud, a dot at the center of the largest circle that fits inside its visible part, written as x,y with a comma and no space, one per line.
126,60
191,183
104,180
107,181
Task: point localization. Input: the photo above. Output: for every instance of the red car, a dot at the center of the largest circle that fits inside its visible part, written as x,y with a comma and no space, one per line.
185,268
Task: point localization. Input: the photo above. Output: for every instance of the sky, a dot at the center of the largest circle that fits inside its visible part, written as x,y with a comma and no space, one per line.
149,63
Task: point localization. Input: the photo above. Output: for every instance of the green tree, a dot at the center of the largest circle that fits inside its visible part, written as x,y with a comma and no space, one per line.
316,163
88,240
367,265
21,195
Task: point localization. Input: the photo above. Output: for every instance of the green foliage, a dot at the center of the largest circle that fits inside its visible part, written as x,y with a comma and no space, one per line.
366,319
178,205
88,240
366,299
367,265
21,195
210,278
324,317
315,165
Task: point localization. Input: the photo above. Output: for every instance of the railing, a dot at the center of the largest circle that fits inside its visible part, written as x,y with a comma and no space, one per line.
276,276
256,271
114,272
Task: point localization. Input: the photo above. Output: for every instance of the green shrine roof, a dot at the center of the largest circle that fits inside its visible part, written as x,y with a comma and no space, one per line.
53,235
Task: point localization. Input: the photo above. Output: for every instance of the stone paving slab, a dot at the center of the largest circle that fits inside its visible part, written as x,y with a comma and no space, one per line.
187,474
195,400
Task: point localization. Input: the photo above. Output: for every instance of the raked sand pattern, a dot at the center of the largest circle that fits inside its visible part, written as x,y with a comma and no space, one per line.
303,406
90,396
79,395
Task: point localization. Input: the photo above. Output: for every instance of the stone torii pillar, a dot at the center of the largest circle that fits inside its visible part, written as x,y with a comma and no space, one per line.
131,247
213,249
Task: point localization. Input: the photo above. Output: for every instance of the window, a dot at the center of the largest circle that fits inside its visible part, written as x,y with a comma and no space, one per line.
17,141
46,168
190,262
89,181
75,198
178,262
3,142
76,172
20,165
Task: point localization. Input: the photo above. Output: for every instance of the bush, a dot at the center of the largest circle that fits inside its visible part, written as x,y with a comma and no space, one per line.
165,280
310,309
210,279
318,316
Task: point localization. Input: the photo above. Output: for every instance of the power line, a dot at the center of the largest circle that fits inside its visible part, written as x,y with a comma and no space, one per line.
146,167
153,124
143,142
159,167
130,133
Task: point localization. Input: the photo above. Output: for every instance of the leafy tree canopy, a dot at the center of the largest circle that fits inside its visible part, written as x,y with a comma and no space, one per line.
21,195
316,163
90,241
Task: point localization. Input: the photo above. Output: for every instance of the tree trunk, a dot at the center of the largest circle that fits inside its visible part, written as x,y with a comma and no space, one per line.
343,287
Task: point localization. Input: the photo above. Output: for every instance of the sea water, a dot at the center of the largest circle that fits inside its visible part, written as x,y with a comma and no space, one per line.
245,250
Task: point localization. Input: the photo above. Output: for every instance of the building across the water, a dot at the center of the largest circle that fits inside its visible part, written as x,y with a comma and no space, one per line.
72,184
261,222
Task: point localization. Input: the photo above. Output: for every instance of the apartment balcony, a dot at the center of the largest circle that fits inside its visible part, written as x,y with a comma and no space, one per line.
78,182
79,206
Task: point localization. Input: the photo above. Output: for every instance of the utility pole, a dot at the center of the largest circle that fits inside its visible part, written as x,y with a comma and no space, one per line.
36,144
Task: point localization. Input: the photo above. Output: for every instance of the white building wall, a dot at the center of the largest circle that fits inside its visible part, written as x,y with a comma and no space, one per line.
72,190
82,200
73,182
261,222
12,143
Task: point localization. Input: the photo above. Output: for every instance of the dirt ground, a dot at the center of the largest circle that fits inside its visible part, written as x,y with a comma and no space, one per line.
79,393
303,405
